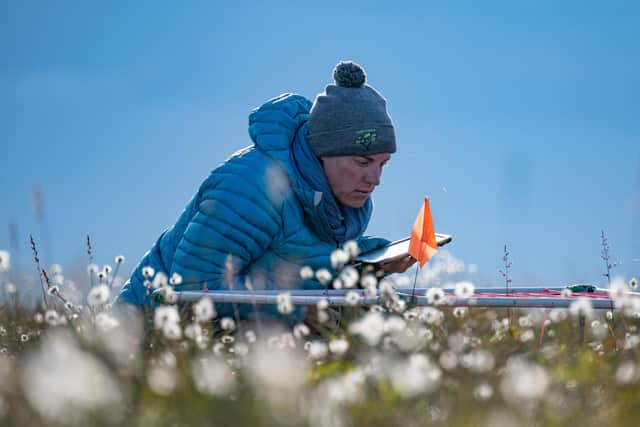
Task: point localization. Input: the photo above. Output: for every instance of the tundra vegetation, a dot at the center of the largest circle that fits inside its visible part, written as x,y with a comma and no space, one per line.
73,359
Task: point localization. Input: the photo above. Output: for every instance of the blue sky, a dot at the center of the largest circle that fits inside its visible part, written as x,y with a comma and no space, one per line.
520,119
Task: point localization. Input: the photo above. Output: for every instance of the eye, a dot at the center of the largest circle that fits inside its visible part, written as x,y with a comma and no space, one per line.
362,162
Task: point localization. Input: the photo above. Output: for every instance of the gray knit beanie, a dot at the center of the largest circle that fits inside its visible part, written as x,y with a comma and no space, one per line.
350,118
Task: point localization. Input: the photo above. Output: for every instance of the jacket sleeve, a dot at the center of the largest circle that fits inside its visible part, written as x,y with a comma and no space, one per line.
234,224
369,243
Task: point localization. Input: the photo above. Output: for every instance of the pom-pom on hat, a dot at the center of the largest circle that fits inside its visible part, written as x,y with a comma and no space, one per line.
350,118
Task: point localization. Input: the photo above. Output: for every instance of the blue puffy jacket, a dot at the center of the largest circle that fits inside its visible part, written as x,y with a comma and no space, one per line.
261,216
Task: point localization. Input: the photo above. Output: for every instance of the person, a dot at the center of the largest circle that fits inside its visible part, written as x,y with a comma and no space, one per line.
301,190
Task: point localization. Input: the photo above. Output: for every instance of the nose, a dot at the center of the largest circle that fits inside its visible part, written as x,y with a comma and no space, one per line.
372,176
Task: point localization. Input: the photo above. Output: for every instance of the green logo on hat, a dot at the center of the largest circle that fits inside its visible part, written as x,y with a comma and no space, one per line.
366,137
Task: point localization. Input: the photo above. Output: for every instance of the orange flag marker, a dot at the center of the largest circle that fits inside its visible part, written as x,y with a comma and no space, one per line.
423,243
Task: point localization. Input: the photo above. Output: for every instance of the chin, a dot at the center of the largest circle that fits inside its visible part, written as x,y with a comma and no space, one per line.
355,203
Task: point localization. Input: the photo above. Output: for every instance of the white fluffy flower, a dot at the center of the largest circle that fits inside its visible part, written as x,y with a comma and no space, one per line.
203,310
98,296
352,298
338,346
61,375
285,306
322,304
175,280
227,324
193,331
464,289
148,272
368,281
339,258
92,268
318,349
5,259
435,296
323,276
301,330
159,280
478,361
172,331
581,307
162,380
370,327
460,311
164,315
431,315
416,376
212,376
351,248
524,381
306,273
349,277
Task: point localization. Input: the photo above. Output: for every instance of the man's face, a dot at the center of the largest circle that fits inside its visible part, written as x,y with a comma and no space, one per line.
353,178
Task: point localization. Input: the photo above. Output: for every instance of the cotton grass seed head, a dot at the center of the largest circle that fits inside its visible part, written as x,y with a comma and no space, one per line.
370,327
483,391
369,281
306,273
162,380
165,314
318,349
431,315
351,248
418,375
51,317
211,376
523,381
464,289
5,263
322,304
558,314
159,280
148,272
98,296
627,373
119,259
285,305
203,310
338,346
352,298
460,312
323,275
61,375
581,307
339,258
633,283
92,269
301,330
175,280
349,277
435,296
227,324
172,331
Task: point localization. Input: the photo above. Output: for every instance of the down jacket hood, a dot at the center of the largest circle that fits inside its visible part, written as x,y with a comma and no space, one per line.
279,128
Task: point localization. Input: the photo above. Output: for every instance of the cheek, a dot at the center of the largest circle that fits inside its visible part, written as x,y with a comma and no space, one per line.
353,177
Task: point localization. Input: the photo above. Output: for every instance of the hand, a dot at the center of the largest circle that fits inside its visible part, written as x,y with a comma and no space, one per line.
398,266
